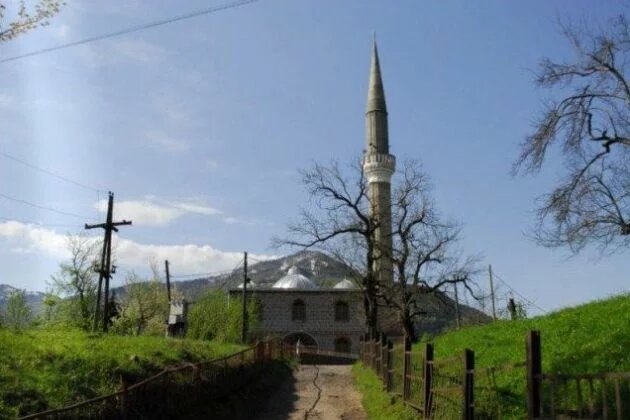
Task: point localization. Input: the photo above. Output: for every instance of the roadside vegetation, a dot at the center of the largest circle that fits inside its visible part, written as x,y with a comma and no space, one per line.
46,368
377,403
593,337
590,338
52,358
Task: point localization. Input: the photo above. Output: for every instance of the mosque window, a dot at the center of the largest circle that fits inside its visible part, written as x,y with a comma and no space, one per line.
342,345
341,311
298,312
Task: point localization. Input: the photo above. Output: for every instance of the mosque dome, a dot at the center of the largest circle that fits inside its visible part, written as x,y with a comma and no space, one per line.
345,284
294,280
250,285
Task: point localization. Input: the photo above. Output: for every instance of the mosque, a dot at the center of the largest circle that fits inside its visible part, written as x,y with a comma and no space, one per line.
333,318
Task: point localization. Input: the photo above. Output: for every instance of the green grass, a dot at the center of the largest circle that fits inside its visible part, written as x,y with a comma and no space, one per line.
377,403
42,369
590,338
594,337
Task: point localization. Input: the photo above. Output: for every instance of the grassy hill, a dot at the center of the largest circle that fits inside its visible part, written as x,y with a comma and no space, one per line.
590,338
41,369
594,337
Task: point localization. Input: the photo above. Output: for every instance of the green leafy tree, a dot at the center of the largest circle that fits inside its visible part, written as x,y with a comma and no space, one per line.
77,283
17,314
143,309
215,316
28,16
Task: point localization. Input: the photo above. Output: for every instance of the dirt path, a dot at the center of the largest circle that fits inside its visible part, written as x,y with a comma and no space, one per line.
316,392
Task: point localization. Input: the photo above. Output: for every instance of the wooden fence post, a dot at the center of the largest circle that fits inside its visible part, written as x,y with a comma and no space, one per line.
389,370
427,373
406,368
124,398
469,388
534,375
374,354
383,349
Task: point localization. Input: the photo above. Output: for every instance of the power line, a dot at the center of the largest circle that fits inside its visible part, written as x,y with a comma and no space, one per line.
132,29
51,173
208,274
28,203
526,299
31,222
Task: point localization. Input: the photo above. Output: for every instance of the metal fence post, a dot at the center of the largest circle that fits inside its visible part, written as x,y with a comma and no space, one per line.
469,397
389,371
427,379
534,375
406,368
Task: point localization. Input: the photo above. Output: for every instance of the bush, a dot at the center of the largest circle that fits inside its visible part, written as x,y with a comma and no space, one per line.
217,317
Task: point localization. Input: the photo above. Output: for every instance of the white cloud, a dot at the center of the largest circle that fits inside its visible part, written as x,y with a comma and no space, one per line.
210,163
61,32
139,50
196,208
6,101
163,140
149,212
35,239
188,258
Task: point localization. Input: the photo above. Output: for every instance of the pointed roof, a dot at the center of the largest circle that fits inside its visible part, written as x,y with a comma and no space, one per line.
376,93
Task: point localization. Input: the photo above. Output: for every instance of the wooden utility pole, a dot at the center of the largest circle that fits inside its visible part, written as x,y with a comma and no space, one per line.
106,269
458,320
168,281
494,309
512,308
245,281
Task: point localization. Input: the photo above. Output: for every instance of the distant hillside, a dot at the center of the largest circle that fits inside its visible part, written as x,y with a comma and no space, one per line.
34,299
326,272
319,267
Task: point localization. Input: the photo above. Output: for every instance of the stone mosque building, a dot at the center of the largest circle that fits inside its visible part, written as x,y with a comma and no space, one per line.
334,318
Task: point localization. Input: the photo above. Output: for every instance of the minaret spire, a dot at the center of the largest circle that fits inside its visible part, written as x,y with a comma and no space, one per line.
376,93
379,166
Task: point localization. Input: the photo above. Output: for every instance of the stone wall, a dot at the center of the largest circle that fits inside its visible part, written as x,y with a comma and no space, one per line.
276,315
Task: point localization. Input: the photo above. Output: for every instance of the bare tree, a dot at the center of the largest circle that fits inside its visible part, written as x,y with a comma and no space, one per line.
589,121
424,254
27,18
77,280
341,225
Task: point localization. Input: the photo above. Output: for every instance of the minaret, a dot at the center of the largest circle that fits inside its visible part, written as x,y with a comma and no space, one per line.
378,166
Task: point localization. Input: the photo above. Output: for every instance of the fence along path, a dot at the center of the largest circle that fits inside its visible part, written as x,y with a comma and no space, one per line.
174,387
451,388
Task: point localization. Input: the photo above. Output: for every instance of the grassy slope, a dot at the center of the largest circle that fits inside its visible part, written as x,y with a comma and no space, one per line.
590,338
40,369
594,337
378,404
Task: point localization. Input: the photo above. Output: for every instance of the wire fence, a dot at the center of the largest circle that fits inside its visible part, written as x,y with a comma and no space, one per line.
452,387
175,389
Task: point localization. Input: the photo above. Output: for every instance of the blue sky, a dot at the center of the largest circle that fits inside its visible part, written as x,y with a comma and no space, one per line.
199,127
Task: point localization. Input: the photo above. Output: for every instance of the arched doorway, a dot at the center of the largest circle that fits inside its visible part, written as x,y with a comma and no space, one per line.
305,340
343,345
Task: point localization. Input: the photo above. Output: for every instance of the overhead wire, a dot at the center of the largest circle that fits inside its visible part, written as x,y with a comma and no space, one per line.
51,173
208,274
31,222
38,206
132,29
516,292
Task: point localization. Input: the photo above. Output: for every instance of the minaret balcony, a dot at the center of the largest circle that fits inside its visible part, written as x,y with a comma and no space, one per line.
379,167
